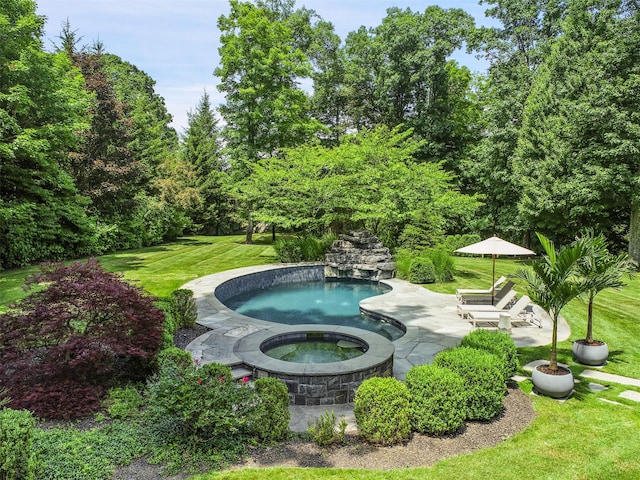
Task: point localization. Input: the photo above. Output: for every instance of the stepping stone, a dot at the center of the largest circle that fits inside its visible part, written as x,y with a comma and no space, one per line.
610,401
609,377
596,387
630,395
240,372
519,378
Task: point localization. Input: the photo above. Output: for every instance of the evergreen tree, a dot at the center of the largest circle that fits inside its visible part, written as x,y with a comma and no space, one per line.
515,49
577,161
203,150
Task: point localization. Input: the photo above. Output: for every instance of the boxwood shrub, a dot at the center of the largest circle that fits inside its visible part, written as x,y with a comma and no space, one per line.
483,378
270,415
438,399
498,343
422,271
381,408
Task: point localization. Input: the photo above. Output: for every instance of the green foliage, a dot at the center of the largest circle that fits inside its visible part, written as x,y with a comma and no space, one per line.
326,430
398,73
443,265
17,456
498,343
369,181
438,399
270,415
264,109
381,407
174,356
601,270
43,106
124,402
553,281
483,379
576,159
183,308
170,324
421,270
421,236
454,242
72,454
202,149
402,258
199,405
302,249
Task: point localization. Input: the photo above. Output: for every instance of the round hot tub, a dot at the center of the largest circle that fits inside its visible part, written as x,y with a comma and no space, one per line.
313,382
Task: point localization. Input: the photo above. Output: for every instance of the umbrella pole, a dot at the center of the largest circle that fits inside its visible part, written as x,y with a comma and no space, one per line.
493,278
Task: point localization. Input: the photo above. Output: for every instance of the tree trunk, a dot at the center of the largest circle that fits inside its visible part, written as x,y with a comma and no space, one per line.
273,233
249,232
634,232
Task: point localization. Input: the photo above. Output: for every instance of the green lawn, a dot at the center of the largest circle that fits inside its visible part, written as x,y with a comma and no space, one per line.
162,269
582,438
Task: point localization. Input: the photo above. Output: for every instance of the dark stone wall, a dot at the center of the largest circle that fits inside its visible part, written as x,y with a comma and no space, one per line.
269,278
335,389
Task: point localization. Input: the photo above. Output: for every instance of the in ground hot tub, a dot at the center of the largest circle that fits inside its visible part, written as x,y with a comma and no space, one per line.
315,383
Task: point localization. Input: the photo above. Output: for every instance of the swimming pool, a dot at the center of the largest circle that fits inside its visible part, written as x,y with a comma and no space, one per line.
328,302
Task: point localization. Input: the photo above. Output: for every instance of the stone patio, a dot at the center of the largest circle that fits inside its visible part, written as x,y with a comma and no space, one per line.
430,319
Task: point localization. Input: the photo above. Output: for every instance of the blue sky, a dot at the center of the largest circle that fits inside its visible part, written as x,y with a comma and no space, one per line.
176,41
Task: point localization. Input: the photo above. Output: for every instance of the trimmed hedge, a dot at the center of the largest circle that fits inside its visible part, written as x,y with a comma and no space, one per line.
483,378
381,408
438,399
498,343
421,271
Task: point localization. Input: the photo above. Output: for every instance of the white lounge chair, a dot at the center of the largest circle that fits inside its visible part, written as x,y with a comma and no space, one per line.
475,291
487,298
465,308
517,313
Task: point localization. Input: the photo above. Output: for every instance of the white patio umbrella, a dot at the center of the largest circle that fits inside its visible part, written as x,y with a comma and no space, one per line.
495,246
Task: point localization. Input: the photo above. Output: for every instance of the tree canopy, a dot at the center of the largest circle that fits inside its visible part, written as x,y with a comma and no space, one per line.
380,130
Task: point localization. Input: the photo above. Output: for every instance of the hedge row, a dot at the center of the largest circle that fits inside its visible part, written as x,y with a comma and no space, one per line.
463,383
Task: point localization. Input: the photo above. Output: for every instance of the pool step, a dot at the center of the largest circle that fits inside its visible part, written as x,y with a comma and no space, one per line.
238,372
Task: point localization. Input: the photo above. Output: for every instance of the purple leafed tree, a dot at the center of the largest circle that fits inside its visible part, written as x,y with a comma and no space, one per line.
80,331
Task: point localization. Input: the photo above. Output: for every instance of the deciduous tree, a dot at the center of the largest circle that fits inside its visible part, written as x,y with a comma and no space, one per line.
42,107
63,345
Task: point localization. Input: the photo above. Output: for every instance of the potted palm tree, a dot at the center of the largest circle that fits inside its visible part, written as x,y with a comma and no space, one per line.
552,282
601,270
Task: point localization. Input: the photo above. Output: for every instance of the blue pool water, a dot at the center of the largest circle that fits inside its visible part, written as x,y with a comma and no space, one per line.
323,303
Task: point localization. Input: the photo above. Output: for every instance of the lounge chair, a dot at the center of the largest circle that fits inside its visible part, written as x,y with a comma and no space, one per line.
486,298
472,291
465,308
518,312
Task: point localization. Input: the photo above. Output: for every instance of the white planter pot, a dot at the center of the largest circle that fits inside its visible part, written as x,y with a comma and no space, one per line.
590,354
554,386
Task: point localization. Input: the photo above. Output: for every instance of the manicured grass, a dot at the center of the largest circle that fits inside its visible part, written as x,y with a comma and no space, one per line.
162,269
582,438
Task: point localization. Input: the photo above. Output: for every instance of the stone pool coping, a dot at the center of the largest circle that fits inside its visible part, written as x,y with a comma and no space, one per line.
430,318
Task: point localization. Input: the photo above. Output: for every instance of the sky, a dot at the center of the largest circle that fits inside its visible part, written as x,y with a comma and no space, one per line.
176,41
